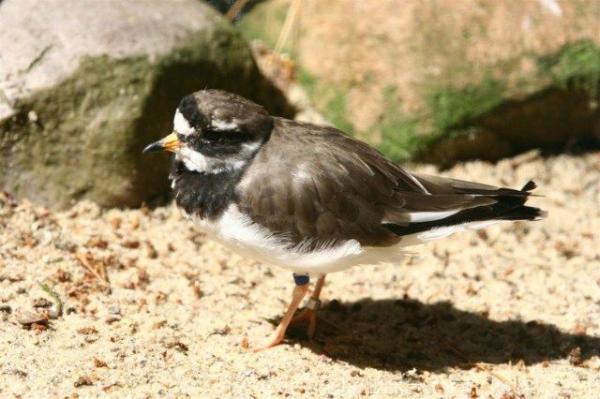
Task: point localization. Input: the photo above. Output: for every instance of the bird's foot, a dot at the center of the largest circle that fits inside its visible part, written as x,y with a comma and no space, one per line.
274,339
308,314
278,334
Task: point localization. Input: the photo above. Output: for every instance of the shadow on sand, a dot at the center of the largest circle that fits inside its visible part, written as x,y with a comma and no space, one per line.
403,334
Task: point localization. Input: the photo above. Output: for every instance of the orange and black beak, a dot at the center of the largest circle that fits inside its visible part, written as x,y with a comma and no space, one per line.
169,143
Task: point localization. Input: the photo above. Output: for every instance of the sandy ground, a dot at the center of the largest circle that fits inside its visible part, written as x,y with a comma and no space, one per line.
512,311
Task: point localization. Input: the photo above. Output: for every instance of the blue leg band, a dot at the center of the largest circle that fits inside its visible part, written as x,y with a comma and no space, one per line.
301,279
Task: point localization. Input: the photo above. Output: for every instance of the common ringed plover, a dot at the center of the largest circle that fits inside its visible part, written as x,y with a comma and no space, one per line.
310,198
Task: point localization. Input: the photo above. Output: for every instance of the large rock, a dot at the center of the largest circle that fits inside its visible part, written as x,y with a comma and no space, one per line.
445,80
84,85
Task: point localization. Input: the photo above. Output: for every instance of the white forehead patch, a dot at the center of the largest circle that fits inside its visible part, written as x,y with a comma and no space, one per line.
181,125
220,124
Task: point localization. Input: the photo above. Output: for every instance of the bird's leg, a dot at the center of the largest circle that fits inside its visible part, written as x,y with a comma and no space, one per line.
277,336
310,310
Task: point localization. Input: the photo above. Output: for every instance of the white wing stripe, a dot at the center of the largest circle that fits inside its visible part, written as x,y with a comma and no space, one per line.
418,217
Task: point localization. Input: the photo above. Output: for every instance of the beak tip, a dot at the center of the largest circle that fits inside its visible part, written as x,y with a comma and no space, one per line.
169,143
151,148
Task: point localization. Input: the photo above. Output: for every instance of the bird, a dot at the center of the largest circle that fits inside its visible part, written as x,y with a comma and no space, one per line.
310,198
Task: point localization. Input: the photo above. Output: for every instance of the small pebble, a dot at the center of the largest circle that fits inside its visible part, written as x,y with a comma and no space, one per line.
27,317
114,310
83,380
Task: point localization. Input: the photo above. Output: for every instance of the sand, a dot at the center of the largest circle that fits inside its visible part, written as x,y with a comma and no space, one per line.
152,309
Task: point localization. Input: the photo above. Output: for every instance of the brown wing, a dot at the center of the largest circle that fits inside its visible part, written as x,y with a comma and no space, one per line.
314,182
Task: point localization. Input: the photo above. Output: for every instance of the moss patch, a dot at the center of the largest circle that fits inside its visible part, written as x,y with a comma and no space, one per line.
75,147
483,121
308,81
399,135
335,111
455,107
330,99
451,112
467,109
575,64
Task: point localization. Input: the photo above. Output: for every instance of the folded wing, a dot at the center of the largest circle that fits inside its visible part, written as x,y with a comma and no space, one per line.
328,188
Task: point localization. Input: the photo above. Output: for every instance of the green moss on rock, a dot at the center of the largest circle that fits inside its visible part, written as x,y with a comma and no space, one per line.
576,63
484,121
335,112
399,134
452,107
88,132
330,99
462,90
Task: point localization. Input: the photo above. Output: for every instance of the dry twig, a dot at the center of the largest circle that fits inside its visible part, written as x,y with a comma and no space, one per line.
86,261
290,21
235,9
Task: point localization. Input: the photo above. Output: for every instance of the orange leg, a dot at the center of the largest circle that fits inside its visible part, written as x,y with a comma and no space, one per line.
277,336
310,310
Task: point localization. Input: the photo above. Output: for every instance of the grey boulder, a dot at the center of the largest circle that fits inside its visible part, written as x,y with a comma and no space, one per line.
84,85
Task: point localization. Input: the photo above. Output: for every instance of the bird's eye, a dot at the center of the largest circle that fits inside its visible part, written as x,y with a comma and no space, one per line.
213,136
182,137
221,137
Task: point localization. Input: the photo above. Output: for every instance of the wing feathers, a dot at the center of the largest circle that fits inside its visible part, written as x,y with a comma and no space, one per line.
323,188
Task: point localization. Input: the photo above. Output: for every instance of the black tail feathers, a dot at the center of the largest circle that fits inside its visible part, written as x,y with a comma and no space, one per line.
523,212
529,186
509,204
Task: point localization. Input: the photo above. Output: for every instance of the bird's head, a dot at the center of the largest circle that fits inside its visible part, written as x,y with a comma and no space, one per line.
214,131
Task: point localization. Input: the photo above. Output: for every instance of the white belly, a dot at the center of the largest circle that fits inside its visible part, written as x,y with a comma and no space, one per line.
238,233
